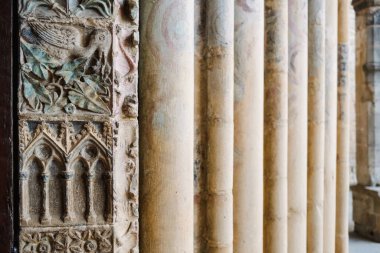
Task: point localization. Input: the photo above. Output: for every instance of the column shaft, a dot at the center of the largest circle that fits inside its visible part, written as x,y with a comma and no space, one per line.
248,119
329,208
91,214
297,143
200,138
220,82
341,245
275,126
45,212
316,125
24,199
166,92
69,214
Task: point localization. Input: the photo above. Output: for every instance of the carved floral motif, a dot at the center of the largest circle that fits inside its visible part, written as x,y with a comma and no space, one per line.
97,240
65,69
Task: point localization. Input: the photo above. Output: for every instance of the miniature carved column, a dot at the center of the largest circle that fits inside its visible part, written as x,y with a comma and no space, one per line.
316,125
297,143
331,78
45,214
69,198
109,190
220,83
166,125
275,126
24,200
91,215
343,171
248,119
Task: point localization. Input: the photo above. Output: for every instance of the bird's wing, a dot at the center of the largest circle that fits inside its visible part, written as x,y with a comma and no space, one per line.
64,37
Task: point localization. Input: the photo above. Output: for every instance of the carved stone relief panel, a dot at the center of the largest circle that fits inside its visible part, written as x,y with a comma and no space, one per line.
66,175
66,8
81,239
78,127
65,68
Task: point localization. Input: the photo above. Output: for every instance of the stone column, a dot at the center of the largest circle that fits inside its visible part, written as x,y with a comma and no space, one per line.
45,213
248,118
167,119
220,83
316,125
69,214
200,128
24,198
275,126
297,143
330,126
343,171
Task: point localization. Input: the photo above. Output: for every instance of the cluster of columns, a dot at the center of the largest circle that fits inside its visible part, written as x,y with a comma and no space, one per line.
271,134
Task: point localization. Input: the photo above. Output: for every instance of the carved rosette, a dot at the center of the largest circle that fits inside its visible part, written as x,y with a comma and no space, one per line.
78,130
99,239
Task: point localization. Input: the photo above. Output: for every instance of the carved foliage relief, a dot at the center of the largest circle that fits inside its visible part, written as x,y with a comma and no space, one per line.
65,68
68,241
66,8
78,129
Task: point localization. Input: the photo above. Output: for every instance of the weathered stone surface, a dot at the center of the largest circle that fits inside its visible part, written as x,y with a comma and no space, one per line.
366,209
368,115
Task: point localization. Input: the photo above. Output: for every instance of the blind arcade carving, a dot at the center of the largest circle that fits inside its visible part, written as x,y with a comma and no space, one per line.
58,170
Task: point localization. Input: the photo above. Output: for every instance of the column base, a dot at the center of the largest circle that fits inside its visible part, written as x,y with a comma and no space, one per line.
366,211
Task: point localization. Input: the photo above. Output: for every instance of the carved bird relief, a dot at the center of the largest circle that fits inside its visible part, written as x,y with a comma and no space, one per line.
65,42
